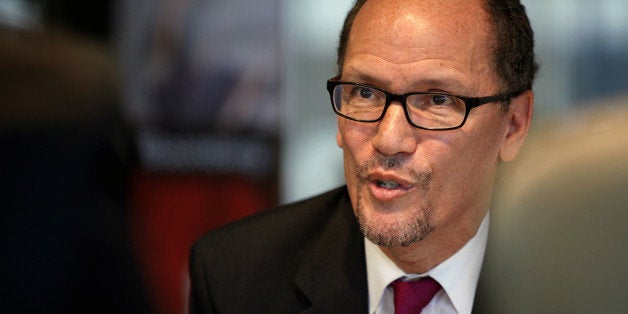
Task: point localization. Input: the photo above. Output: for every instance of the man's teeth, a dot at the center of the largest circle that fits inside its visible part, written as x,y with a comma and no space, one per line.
387,184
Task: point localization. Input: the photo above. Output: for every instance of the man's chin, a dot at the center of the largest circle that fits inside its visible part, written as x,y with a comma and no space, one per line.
387,229
390,238
388,225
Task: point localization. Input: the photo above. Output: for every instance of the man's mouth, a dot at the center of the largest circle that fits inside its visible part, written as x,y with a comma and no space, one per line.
389,181
388,187
387,184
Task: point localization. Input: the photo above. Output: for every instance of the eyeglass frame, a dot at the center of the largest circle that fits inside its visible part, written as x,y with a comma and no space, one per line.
470,102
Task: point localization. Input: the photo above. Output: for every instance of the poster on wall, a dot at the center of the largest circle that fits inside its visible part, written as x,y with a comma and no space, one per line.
201,87
199,75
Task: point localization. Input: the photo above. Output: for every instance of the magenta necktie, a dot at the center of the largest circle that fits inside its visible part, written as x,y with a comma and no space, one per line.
412,296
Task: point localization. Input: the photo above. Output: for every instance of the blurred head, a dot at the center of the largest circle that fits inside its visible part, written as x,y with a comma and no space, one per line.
409,184
561,216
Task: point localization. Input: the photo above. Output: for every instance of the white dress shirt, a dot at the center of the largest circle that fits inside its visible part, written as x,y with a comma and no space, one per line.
458,277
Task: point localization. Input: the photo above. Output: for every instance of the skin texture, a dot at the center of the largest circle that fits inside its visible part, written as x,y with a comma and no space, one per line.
446,177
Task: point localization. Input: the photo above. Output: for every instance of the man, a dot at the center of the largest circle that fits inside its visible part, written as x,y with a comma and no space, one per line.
419,166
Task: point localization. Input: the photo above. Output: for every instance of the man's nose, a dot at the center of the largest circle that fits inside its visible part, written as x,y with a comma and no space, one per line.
395,135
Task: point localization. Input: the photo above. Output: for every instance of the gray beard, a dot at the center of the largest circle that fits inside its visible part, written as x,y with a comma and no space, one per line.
406,230
410,227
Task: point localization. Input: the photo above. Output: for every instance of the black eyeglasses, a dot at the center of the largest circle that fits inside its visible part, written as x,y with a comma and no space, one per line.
424,110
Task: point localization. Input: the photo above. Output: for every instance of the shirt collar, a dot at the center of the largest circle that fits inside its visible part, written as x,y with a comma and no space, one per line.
458,275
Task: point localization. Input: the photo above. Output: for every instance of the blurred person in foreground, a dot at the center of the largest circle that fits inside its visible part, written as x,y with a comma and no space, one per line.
66,155
558,241
431,96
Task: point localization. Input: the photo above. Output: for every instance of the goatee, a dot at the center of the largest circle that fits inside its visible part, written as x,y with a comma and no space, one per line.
410,226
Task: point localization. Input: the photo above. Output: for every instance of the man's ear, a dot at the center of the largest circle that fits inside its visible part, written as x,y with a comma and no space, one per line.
339,138
519,117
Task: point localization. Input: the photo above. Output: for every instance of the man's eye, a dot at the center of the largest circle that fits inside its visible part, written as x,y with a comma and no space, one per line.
365,92
440,99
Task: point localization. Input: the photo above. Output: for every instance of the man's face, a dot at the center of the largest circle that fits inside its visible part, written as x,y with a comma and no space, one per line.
406,183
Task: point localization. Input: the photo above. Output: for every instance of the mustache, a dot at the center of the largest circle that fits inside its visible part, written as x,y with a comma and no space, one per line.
394,163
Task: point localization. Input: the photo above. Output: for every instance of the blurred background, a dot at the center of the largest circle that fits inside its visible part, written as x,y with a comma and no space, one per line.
131,127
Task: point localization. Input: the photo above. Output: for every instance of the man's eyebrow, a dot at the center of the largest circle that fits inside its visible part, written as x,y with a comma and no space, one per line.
447,84
361,77
451,85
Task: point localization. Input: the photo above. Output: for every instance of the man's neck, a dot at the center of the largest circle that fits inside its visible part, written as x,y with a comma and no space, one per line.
420,257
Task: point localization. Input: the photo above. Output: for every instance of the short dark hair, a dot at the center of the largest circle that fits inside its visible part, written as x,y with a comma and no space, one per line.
513,47
344,33
513,50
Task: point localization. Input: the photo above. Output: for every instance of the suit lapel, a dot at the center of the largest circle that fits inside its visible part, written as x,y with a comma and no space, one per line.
333,277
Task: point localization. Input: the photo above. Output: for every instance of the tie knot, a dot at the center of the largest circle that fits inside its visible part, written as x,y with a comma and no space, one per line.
412,296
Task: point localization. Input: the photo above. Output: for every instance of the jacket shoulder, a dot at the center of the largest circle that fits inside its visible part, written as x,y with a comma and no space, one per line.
267,248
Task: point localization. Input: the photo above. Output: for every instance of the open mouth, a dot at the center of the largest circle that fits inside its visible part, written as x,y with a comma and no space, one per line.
387,184
388,189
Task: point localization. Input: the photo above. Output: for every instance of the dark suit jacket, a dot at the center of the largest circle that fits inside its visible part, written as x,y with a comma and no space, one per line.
306,257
